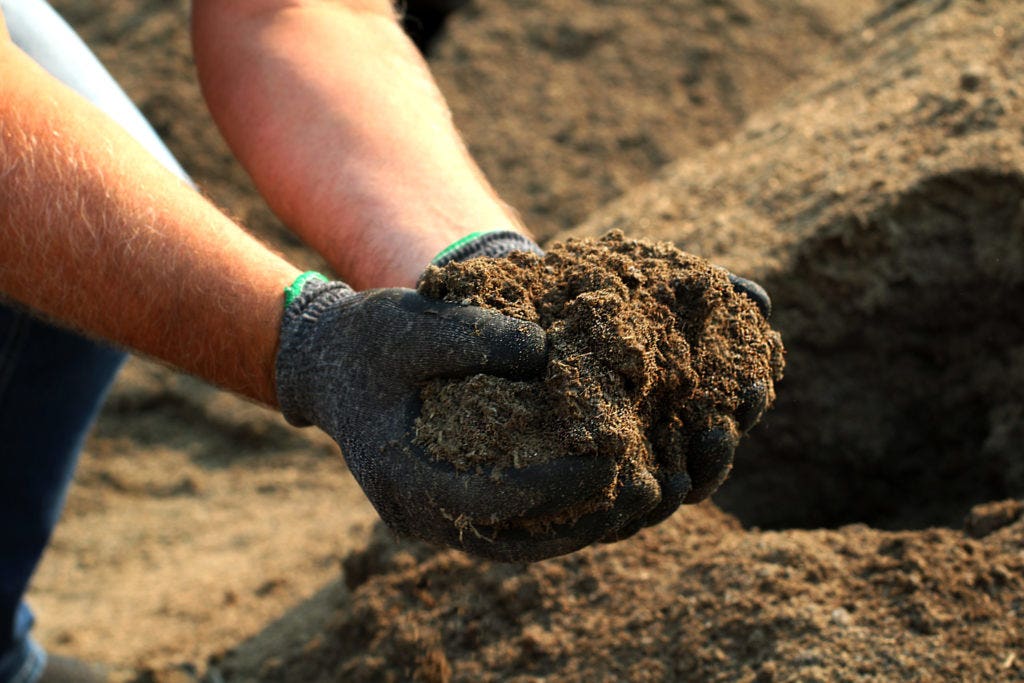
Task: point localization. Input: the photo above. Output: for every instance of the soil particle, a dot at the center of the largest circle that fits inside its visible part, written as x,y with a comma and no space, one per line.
988,517
882,209
650,348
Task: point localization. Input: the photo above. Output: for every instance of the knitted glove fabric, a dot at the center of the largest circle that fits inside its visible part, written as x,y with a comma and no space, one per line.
352,363
493,243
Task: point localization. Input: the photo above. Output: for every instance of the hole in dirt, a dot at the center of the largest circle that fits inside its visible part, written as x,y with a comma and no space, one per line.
903,401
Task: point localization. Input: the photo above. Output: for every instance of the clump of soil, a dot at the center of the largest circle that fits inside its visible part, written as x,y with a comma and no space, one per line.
650,347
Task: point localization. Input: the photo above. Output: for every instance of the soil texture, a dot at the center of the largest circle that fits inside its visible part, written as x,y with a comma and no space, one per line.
650,348
568,104
882,206
696,598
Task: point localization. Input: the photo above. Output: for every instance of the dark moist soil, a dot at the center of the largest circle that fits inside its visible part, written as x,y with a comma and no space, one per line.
650,347
696,598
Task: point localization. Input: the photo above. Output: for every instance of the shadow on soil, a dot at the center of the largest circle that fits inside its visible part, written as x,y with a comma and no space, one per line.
903,401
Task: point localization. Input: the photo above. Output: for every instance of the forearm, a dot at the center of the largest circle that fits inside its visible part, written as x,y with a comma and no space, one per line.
97,235
336,117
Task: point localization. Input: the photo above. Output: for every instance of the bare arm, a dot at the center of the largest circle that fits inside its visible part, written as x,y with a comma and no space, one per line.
336,117
99,236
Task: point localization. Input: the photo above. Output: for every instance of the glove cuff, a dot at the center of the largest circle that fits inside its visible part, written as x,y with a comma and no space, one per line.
305,301
294,290
494,243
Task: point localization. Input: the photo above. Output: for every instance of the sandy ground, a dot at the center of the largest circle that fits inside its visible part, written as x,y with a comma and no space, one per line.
862,159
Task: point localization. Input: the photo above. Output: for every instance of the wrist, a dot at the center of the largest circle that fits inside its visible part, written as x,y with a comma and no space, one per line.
390,228
396,255
260,351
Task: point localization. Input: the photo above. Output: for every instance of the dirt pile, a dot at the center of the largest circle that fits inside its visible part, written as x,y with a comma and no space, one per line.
650,349
568,104
883,209
694,599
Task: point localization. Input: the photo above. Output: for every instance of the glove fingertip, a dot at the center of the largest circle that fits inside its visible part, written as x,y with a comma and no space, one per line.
517,349
754,401
674,489
710,461
755,292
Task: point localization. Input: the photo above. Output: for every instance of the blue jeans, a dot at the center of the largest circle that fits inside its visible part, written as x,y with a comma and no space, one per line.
51,385
52,381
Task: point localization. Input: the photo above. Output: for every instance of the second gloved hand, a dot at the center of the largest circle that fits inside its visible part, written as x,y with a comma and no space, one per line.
642,501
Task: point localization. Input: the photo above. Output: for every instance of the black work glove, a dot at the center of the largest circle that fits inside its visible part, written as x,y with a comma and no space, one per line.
644,500
353,363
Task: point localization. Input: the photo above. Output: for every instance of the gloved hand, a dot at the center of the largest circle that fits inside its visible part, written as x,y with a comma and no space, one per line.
353,364
647,500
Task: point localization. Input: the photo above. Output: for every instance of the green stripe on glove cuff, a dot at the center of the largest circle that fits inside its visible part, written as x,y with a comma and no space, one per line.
292,291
